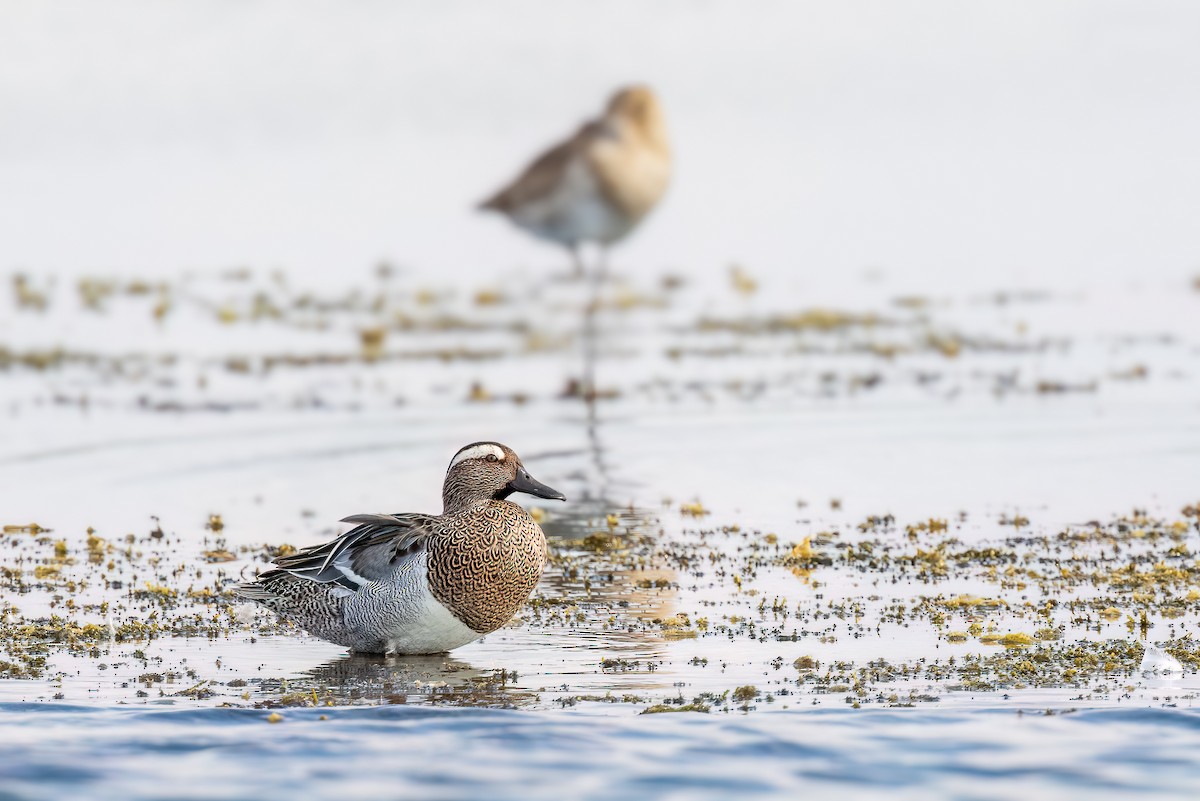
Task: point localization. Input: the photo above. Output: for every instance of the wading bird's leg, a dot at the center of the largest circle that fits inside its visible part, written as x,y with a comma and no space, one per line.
601,267
576,260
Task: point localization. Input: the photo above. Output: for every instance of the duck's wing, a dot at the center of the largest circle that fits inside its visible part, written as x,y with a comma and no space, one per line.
370,551
542,176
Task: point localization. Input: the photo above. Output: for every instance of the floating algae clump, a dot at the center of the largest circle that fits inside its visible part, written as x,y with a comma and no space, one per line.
745,694
1012,640
659,708
678,627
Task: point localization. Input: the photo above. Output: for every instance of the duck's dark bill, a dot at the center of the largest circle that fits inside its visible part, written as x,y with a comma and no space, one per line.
531,486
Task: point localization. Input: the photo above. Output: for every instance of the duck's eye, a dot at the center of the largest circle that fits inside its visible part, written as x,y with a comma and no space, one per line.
491,457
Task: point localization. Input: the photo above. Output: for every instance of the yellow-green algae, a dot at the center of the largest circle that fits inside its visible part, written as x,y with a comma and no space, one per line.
1070,607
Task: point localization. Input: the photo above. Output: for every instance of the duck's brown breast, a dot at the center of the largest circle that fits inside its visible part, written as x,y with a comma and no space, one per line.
484,563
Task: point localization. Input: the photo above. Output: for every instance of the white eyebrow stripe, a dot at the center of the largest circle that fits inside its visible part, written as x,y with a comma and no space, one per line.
478,452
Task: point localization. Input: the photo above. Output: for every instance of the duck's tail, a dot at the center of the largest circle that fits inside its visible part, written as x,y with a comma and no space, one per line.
310,605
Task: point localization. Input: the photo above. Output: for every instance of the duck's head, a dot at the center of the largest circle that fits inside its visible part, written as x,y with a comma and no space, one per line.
484,471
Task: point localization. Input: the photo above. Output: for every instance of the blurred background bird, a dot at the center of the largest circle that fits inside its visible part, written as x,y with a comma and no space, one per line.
599,184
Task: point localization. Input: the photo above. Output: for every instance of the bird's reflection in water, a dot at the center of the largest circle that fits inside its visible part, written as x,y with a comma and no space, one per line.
415,679
586,389
591,393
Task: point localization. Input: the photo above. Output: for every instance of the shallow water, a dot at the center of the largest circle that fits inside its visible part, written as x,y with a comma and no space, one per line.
81,752
1045,471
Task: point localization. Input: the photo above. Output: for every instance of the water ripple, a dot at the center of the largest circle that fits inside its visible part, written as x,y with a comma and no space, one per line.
103,753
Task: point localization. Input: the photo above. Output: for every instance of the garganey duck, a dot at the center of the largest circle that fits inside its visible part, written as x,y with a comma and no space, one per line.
418,583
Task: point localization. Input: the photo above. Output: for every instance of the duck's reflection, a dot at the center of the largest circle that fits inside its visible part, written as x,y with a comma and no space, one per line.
406,679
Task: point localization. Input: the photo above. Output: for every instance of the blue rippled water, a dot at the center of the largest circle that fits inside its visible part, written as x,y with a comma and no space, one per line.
389,752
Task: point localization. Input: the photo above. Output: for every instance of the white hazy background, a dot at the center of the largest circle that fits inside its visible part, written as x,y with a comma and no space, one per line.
934,145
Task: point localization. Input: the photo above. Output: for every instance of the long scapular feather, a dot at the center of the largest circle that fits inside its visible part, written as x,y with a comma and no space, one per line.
337,560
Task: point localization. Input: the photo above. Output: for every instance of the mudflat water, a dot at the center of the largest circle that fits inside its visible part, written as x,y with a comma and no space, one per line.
71,751
943,546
